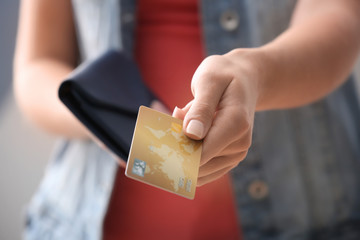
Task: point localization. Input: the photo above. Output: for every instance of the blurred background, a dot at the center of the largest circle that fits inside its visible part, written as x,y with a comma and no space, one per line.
24,149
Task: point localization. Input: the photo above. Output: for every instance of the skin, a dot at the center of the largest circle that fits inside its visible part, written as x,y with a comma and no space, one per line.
305,63
302,65
46,51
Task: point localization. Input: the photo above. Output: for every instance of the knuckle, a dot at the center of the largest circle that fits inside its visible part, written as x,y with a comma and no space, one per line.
235,165
209,67
243,155
202,110
205,76
245,142
241,121
204,158
226,170
234,160
201,182
212,59
238,158
213,73
248,140
218,61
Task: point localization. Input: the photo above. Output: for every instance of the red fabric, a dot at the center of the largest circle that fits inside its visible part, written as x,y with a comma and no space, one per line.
169,47
168,51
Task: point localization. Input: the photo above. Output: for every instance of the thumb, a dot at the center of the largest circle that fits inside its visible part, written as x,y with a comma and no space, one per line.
198,119
199,116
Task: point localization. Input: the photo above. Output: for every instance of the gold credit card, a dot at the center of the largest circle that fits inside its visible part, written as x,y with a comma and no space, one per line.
162,156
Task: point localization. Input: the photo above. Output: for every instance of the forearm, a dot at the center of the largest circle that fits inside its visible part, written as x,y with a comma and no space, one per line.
310,59
46,51
36,86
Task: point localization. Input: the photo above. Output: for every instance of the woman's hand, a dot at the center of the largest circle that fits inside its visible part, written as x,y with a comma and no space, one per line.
303,64
225,90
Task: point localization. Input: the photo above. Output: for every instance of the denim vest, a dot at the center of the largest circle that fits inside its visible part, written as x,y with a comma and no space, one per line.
300,179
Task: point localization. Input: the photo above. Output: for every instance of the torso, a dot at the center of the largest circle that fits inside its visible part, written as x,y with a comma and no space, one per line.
168,50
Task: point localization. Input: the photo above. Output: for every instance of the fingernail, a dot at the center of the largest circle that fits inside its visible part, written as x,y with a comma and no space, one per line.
175,110
196,128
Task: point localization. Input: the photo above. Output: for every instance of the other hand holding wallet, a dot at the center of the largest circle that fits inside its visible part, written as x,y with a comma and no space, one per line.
105,95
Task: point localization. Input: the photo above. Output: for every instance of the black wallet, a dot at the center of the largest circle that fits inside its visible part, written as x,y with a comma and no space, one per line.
105,95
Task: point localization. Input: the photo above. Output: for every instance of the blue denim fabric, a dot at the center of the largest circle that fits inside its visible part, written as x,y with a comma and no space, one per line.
73,196
307,159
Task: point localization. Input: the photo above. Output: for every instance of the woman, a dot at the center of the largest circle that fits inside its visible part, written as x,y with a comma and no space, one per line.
299,179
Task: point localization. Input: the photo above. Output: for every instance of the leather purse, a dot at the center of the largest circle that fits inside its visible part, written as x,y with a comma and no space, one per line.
105,95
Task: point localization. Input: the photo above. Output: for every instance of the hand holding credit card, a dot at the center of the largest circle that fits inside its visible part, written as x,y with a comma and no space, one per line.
162,156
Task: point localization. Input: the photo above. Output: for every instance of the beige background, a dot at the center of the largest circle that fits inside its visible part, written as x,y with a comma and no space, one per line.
24,149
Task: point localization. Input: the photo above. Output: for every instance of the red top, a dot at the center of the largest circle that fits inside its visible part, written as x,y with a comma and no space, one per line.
168,51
